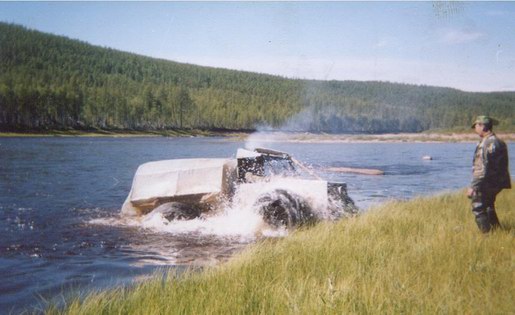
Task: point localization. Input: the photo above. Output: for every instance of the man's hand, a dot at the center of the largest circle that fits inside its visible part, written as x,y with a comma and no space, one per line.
471,192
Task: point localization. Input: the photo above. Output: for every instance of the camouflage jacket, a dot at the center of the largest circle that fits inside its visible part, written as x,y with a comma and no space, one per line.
490,165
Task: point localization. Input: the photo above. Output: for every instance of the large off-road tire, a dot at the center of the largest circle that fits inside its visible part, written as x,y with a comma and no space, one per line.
340,204
177,211
283,208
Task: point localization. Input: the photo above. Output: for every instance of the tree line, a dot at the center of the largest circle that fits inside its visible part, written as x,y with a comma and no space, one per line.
52,82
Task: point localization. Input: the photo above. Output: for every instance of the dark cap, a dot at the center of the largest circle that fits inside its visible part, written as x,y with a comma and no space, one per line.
485,120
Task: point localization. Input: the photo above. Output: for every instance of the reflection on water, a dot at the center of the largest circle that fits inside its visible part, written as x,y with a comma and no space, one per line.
60,229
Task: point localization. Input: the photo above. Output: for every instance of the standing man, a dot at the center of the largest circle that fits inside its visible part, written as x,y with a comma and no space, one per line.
490,173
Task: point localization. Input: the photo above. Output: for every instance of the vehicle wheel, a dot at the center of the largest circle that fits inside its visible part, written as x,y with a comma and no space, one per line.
340,204
177,211
283,208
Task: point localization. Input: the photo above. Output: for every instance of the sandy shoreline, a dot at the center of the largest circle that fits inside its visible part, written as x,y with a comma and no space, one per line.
370,138
277,136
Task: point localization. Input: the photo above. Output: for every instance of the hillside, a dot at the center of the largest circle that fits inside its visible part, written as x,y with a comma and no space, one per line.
52,82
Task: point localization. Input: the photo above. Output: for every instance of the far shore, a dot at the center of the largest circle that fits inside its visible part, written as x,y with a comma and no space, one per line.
425,137
273,136
124,133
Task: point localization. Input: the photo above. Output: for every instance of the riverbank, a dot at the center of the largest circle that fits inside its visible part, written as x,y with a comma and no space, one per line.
420,256
271,136
426,137
124,133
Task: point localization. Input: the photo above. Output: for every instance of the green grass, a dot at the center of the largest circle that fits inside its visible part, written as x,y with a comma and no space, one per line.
424,256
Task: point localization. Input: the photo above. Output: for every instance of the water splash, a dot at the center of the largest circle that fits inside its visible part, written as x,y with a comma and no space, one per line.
240,218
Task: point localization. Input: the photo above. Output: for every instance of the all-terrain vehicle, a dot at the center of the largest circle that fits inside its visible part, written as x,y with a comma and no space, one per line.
274,182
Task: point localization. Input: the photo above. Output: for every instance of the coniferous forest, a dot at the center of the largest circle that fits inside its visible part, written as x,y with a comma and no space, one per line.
52,82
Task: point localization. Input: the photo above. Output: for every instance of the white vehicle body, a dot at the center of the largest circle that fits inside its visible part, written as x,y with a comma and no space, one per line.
205,183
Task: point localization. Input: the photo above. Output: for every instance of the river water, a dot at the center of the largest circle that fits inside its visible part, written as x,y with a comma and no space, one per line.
60,228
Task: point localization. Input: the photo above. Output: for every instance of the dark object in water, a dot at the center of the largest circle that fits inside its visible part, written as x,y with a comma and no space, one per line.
283,208
178,211
340,204
363,171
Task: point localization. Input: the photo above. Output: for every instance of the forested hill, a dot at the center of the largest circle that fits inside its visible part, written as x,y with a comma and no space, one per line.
52,82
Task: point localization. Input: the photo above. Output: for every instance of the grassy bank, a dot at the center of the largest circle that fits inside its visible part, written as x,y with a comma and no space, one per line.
421,256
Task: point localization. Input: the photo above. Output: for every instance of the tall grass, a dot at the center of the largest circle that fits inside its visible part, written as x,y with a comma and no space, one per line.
424,256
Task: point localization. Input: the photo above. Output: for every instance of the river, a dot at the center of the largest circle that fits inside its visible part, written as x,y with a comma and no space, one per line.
60,229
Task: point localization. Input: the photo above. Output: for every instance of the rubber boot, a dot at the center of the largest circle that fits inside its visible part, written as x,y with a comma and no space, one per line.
483,223
492,218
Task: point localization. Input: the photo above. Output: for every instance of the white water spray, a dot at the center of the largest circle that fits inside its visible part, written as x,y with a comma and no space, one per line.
239,218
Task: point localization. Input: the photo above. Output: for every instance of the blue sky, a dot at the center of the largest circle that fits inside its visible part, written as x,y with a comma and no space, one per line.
465,45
